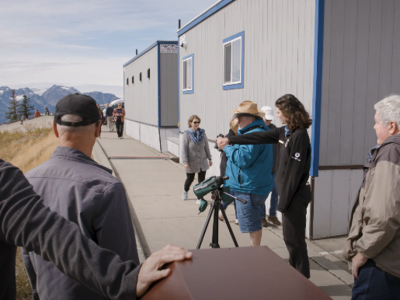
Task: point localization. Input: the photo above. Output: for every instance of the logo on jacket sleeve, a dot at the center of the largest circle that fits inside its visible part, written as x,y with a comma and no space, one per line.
297,156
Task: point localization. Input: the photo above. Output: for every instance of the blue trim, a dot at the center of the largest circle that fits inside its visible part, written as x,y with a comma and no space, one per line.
316,113
159,86
179,92
204,16
148,49
241,84
192,90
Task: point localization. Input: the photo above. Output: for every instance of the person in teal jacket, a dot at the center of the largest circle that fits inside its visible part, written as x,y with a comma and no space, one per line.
249,169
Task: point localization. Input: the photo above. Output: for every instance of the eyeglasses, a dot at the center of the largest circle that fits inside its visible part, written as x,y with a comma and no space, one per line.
196,122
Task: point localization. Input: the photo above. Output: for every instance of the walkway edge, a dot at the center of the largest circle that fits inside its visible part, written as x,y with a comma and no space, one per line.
138,228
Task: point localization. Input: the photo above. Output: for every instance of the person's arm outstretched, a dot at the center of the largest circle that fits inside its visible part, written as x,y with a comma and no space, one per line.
26,222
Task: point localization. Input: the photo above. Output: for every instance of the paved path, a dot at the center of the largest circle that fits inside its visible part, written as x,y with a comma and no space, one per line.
154,186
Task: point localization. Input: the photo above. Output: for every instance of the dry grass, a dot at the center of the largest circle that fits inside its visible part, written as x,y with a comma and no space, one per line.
26,151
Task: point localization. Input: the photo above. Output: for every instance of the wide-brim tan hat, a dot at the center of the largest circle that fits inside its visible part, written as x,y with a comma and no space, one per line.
248,108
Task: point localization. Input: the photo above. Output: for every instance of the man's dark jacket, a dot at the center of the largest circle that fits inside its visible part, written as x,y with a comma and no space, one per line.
26,222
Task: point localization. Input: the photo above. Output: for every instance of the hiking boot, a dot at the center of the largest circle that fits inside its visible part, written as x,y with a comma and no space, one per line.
274,220
220,216
264,222
185,195
198,201
237,222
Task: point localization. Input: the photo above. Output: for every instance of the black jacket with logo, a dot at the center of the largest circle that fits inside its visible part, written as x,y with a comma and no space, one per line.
293,165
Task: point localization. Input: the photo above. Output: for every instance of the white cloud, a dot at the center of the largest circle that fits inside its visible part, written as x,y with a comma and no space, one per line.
83,42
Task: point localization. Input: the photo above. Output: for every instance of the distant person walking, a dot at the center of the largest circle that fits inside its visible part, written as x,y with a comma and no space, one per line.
194,153
37,114
110,118
268,118
23,118
119,118
46,112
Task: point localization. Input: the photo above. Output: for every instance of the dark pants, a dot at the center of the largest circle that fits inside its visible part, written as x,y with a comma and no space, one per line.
190,177
374,283
120,128
294,234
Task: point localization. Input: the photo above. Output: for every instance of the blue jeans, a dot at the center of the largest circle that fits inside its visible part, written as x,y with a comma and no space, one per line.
374,283
274,199
249,214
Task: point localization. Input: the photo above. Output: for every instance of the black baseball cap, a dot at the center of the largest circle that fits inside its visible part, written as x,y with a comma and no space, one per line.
77,104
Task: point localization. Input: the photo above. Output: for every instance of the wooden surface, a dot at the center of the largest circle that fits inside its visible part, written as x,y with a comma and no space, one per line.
234,273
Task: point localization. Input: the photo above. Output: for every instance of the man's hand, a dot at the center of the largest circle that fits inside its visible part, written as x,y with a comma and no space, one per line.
186,167
150,270
357,262
210,163
222,142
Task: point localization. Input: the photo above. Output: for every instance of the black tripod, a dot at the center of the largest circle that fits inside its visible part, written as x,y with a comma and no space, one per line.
216,206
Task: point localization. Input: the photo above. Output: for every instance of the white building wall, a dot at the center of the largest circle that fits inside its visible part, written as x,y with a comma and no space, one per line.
278,59
141,97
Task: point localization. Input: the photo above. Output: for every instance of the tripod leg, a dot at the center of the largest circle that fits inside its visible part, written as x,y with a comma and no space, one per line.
217,206
203,232
229,227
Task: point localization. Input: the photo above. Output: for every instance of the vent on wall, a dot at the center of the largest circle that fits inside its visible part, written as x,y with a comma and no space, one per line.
127,81
140,76
133,79
148,73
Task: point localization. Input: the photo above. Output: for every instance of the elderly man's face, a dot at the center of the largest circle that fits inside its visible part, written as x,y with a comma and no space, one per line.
244,121
382,131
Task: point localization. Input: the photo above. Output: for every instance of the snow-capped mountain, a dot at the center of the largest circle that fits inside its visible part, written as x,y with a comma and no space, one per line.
41,99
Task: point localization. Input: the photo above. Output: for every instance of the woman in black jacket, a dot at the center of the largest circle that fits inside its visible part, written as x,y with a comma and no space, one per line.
292,173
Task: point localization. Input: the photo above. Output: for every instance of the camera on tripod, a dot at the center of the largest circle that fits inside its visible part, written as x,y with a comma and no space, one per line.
219,194
216,145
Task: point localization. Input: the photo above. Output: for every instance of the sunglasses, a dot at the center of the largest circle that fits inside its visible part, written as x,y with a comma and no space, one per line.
196,122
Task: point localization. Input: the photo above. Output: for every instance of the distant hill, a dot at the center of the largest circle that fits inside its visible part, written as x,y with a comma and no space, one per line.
40,100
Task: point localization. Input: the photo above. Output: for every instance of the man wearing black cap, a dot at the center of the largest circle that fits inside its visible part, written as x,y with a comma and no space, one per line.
81,191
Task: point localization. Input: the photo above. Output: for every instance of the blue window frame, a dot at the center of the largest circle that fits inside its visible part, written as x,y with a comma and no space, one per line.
187,74
233,48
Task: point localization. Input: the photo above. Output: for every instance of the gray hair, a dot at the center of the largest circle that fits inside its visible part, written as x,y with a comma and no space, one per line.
70,129
389,110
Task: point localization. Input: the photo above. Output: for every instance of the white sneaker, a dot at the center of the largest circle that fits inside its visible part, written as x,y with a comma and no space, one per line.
185,195
198,201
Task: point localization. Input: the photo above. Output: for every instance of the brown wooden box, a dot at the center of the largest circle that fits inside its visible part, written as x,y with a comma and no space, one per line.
234,273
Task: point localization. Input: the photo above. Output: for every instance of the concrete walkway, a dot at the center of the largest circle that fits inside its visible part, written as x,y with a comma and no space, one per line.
154,185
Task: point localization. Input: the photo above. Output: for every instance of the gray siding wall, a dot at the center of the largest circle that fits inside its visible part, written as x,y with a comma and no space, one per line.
361,65
141,98
169,89
279,59
334,196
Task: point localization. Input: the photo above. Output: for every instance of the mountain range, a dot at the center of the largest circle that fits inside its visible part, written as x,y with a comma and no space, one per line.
40,99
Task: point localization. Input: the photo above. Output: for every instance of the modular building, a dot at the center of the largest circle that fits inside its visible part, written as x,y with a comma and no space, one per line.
151,95
338,57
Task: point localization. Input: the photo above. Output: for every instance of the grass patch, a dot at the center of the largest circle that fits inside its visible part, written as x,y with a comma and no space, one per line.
26,150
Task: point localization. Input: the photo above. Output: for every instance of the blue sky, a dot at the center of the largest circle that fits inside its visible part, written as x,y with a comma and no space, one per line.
83,43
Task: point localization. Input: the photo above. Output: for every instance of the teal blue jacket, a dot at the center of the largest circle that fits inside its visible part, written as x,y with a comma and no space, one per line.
249,166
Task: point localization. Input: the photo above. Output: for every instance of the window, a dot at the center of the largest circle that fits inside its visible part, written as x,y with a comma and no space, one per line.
148,73
127,81
233,48
187,74
133,79
140,76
